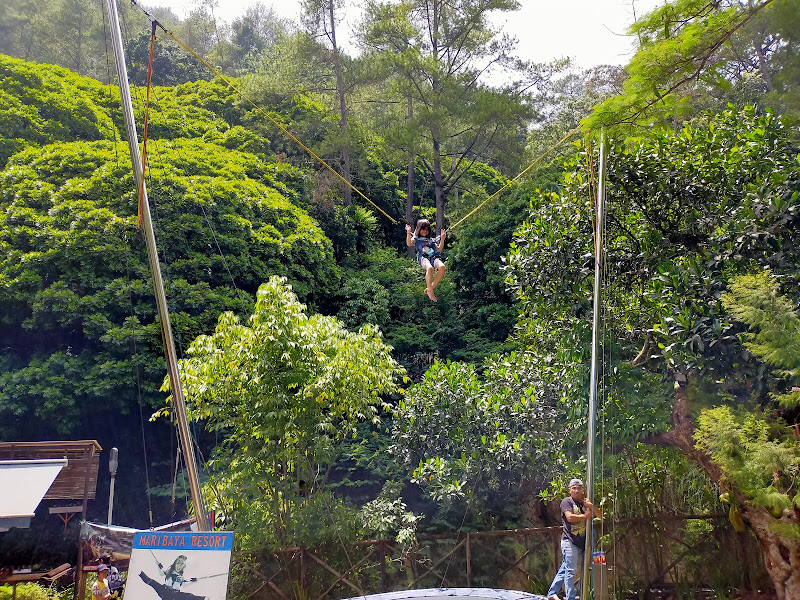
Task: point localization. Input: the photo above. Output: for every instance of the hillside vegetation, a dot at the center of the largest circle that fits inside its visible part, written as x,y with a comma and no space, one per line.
332,400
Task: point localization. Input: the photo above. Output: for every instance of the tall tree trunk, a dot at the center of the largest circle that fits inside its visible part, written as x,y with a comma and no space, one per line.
411,184
764,67
781,552
438,180
345,145
438,183
411,168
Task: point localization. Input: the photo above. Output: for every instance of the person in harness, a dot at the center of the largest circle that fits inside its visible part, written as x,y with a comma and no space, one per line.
429,253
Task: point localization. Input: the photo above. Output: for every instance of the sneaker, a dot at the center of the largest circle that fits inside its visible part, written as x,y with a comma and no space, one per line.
554,597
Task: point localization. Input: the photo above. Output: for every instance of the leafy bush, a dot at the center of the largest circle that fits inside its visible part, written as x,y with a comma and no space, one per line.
32,591
41,104
75,277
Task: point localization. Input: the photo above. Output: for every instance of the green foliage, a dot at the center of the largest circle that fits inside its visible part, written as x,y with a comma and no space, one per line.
435,66
755,461
365,301
387,515
646,480
42,104
418,330
686,211
680,54
76,288
32,591
755,300
286,391
478,438
352,229
171,64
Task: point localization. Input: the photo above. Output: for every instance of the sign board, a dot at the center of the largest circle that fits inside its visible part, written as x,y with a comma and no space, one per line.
116,542
179,566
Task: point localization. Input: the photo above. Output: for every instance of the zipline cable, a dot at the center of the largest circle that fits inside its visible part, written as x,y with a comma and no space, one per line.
245,97
510,183
311,153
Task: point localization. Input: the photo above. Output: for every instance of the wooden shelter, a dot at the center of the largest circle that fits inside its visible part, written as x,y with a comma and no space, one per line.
77,481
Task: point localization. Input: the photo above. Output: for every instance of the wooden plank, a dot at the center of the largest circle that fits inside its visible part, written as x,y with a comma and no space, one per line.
54,574
56,510
335,572
440,561
353,568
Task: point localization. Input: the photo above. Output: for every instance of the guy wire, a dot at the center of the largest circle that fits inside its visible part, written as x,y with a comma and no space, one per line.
247,99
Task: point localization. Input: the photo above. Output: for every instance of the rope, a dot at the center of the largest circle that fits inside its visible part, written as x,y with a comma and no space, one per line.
510,183
272,120
146,122
135,356
139,387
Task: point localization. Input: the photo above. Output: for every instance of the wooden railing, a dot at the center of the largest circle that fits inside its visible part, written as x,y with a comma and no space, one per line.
645,553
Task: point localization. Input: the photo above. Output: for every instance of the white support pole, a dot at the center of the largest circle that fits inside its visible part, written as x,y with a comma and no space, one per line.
590,442
155,269
113,463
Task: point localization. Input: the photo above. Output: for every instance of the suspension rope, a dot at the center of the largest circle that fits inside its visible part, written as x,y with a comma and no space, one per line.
524,171
139,386
146,122
137,366
147,177
245,97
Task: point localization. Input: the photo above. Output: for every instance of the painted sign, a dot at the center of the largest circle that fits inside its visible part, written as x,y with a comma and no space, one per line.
113,542
179,566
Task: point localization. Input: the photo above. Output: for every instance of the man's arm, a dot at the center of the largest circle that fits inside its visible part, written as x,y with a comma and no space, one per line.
576,518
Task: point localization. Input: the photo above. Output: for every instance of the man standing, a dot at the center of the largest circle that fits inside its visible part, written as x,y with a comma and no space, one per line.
575,513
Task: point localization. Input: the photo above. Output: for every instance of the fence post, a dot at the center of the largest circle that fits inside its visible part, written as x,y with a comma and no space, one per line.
303,574
469,562
556,549
384,579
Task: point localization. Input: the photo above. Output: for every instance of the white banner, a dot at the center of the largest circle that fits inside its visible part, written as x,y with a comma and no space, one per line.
179,566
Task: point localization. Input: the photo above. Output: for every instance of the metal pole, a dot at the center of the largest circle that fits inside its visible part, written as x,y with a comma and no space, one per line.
598,261
113,463
155,269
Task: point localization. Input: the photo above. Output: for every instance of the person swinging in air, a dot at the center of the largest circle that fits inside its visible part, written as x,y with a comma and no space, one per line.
429,253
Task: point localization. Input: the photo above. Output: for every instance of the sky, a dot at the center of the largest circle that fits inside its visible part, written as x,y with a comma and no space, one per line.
592,32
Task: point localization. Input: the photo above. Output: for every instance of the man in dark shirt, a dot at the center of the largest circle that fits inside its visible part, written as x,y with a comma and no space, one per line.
576,512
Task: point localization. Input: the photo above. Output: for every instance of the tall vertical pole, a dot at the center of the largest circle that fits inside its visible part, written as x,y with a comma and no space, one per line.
113,463
155,269
598,262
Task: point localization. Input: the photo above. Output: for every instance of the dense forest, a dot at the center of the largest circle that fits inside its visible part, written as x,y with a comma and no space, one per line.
331,399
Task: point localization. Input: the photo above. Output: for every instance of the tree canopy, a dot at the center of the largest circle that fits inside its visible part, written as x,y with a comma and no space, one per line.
334,399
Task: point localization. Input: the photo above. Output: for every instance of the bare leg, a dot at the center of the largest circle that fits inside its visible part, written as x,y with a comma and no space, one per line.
439,273
428,278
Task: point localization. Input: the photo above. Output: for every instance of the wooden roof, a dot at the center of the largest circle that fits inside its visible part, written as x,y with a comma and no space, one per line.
83,459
